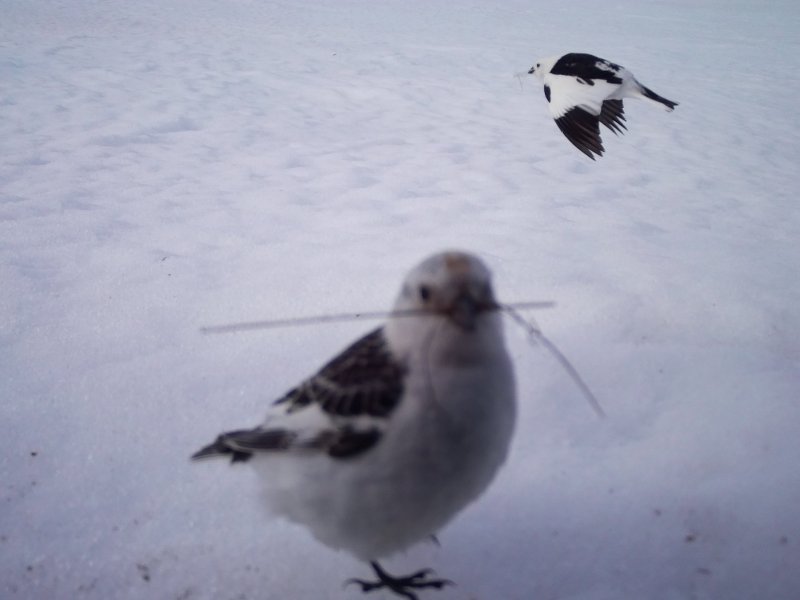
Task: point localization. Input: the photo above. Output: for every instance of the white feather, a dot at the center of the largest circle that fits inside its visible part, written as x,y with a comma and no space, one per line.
441,446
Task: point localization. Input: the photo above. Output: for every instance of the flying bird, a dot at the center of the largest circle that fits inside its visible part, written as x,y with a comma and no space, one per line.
583,91
388,441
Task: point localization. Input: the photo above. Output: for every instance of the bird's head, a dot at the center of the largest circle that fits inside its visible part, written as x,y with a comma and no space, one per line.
446,312
543,66
454,285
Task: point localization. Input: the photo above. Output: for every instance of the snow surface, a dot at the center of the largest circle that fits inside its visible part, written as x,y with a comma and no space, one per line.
171,164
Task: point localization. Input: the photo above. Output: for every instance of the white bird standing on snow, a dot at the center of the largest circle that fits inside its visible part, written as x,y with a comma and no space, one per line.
583,91
394,436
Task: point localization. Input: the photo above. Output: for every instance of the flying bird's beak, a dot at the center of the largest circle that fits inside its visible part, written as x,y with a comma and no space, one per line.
532,71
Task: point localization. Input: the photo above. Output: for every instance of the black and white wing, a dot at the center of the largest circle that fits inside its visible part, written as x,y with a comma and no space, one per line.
577,89
612,115
577,104
340,411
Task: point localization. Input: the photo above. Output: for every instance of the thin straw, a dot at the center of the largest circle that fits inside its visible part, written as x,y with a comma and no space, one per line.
536,335
341,317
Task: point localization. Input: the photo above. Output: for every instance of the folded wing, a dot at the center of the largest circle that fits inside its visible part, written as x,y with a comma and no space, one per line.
341,410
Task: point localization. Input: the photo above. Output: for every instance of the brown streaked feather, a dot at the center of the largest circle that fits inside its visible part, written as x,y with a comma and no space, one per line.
364,379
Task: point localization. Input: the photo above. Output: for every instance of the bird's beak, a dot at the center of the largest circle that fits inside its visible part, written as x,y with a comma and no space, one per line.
464,311
532,70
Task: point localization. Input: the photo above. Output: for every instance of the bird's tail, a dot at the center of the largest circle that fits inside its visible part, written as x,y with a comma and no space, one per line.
220,448
240,445
224,446
649,94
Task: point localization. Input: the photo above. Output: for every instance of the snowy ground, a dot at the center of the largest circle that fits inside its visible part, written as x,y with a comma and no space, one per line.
166,165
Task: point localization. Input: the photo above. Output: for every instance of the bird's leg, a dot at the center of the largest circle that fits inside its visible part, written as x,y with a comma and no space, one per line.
401,586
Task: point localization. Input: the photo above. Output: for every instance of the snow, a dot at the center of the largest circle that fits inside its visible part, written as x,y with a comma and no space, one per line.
170,165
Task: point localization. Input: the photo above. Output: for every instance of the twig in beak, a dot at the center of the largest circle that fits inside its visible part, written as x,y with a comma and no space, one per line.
315,319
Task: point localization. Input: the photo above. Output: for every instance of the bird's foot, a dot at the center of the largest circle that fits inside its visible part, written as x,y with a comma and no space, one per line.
401,586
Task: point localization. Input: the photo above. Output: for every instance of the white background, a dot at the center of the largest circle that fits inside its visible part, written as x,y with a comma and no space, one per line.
171,164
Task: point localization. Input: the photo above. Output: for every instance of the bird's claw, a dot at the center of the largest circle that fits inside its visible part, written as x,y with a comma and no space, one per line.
401,586
366,586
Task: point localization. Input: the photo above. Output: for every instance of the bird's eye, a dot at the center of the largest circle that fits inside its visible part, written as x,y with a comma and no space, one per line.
424,293
538,65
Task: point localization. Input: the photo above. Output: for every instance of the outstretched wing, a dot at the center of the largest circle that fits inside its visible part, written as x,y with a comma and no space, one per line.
340,410
612,115
581,128
576,105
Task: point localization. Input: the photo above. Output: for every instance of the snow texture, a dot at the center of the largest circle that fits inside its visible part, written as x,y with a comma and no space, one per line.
171,164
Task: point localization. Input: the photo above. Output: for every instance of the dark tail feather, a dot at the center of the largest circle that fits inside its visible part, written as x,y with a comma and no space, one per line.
648,93
222,447
240,445
218,449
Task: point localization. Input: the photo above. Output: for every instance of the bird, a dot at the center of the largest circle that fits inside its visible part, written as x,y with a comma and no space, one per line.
388,441
583,91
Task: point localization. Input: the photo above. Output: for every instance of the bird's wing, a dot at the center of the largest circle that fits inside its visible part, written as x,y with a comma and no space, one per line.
340,411
567,92
576,105
581,128
612,115
364,379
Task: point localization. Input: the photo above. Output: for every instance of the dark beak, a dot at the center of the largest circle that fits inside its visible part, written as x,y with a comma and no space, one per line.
531,71
464,312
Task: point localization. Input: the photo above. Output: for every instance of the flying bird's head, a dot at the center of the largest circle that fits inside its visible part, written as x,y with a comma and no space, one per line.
454,285
543,66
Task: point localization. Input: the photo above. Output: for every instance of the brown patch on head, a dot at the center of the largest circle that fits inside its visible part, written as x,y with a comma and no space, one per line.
457,263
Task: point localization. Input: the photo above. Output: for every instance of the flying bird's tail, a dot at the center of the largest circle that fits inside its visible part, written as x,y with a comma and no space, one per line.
649,94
